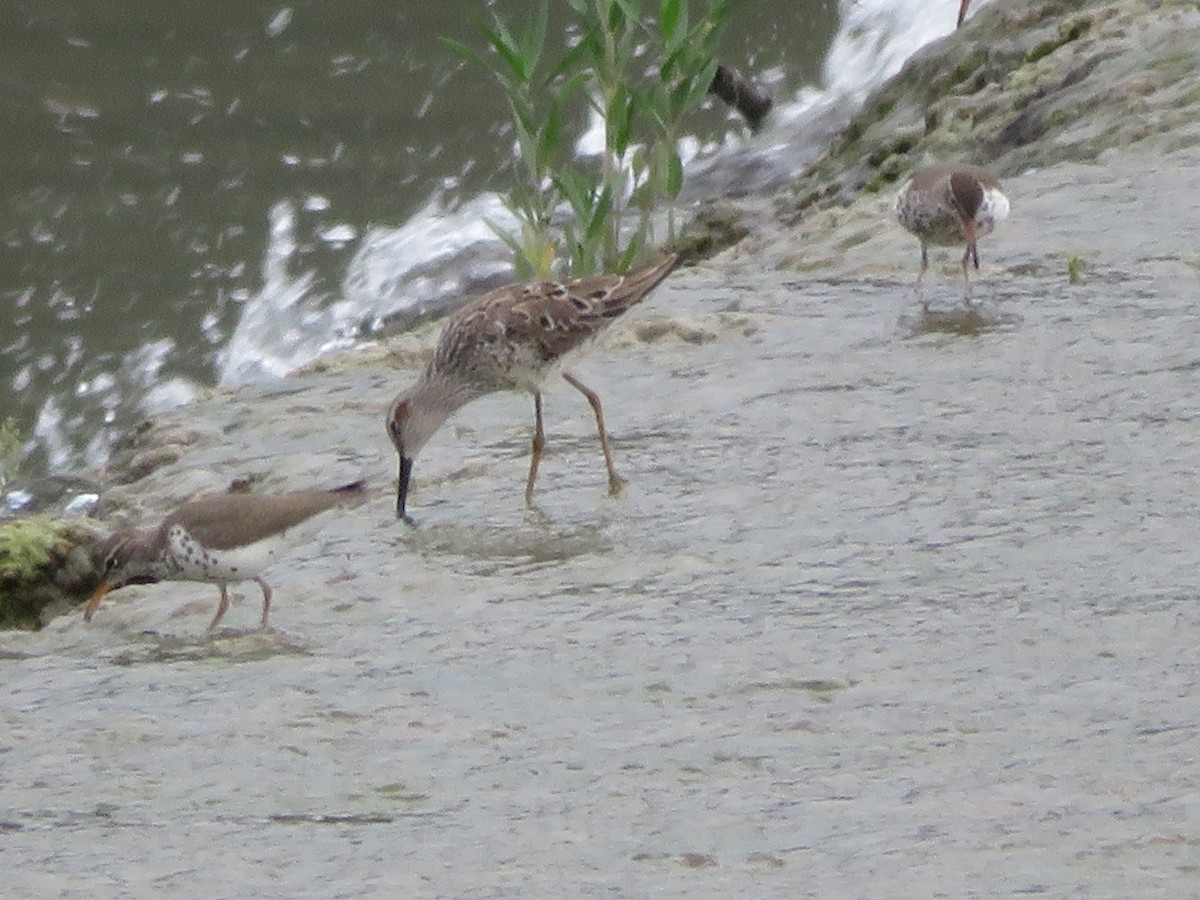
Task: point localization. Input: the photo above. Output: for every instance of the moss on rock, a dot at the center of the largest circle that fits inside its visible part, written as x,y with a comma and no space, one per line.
46,566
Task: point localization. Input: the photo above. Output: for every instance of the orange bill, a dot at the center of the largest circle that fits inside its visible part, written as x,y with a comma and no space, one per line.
94,601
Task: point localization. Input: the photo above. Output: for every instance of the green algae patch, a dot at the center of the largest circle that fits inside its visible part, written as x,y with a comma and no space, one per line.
716,226
816,686
26,547
400,792
967,320
1067,32
45,565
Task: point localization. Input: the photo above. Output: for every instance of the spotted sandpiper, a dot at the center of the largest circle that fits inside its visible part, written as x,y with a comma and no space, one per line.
217,538
513,339
949,204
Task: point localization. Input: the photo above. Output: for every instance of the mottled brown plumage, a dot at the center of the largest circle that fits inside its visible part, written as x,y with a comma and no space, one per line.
513,339
949,204
217,538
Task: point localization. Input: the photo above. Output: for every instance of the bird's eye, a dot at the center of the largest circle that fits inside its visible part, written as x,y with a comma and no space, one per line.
110,563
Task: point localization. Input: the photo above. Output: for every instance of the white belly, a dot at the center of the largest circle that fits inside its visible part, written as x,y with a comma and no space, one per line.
992,211
195,563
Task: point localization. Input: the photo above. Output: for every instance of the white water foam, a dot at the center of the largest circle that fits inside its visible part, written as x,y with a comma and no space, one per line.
138,374
436,253
877,36
286,324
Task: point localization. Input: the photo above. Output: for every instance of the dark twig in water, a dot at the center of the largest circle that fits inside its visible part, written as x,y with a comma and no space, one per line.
742,94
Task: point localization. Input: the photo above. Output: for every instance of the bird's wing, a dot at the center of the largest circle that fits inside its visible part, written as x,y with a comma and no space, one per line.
554,317
221,521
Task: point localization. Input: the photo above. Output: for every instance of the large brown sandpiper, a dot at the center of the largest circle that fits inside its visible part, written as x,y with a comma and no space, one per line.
513,339
217,538
949,204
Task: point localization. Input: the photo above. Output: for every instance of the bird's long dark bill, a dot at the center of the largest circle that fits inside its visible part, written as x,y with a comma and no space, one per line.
94,601
406,465
972,247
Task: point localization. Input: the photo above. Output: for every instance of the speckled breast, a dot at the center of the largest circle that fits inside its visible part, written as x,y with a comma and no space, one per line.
189,559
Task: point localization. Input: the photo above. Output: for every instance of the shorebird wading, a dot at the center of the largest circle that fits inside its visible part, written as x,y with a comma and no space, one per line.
513,339
949,204
218,538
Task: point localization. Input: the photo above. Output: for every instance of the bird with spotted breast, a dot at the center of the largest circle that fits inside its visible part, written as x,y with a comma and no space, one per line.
513,339
220,539
948,204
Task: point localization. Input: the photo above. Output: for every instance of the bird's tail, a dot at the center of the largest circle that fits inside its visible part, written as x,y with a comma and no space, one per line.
634,287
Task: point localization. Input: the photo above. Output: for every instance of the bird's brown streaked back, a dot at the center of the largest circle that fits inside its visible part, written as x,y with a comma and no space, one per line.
513,339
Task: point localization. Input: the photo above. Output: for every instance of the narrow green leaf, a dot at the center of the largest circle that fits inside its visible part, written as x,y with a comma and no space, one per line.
638,163
631,253
535,38
573,85
522,118
674,174
548,137
574,190
625,122
509,239
630,11
507,50
600,215
701,83
668,20
674,62
574,60
678,97
470,54
616,17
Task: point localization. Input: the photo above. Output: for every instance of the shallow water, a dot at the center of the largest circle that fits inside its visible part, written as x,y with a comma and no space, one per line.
884,611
